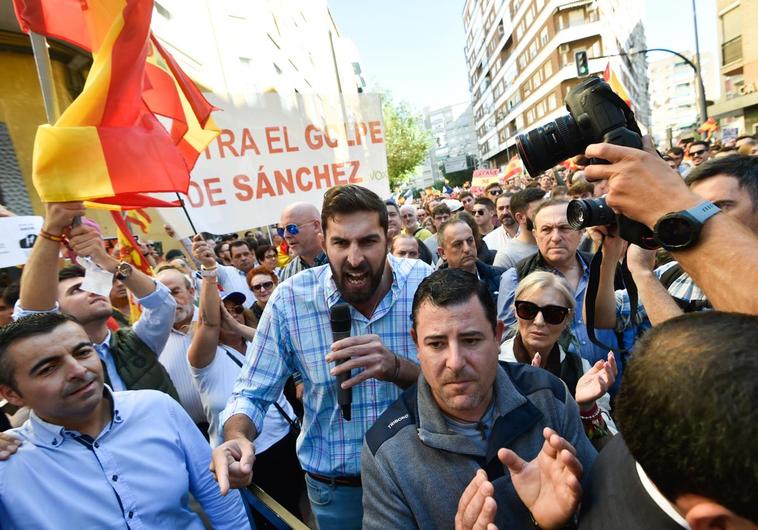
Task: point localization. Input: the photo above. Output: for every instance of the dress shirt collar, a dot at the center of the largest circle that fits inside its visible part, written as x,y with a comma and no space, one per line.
106,342
49,435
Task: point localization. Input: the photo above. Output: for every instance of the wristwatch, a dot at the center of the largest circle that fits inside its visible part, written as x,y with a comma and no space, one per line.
681,230
123,271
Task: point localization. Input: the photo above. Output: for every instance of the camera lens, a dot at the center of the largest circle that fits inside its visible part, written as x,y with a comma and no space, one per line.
582,213
546,146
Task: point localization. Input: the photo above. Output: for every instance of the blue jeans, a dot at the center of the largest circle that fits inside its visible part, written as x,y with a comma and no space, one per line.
335,507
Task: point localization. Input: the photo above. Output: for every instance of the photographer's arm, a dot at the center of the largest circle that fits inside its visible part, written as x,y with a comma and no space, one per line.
644,188
658,303
605,302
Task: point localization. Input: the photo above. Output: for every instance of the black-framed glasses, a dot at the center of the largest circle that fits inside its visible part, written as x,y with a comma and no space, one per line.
553,314
292,228
495,191
698,153
479,212
265,286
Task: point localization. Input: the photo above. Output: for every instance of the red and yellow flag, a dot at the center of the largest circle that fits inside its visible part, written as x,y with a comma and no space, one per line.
108,146
129,251
613,80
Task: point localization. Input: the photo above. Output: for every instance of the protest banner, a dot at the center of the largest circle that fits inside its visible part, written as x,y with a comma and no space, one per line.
272,152
18,236
484,176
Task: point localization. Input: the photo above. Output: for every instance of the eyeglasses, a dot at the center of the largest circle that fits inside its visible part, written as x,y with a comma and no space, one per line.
480,212
698,153
236,309
265,286
553,314
292,229
495,192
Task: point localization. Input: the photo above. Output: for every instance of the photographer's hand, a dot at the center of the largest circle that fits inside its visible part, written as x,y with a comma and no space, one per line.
642,186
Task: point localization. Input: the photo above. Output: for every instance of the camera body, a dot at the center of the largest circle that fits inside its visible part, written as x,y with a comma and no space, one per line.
596,114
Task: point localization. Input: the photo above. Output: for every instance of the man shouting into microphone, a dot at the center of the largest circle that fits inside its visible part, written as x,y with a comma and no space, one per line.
295,334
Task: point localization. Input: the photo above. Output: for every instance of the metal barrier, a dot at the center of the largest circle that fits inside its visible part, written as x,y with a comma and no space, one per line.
260,502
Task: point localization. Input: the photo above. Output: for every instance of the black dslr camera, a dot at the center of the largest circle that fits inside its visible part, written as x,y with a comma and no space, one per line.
596,114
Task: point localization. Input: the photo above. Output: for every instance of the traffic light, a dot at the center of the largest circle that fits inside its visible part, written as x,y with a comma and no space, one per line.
582,65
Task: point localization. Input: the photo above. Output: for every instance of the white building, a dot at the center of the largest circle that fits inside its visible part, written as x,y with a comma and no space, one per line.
454,143
520,55
239,48
674,96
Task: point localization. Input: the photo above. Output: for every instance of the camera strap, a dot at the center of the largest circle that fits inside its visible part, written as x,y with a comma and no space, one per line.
591,297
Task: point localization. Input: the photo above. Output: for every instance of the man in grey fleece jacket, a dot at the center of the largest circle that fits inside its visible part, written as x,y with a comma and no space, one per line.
468,413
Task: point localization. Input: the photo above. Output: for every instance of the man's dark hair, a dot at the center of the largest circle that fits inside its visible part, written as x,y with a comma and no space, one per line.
676,151
11,294
70,271
462,195
20,329
343,200
704,143
239,243
175,253
486,202
687,408
260,252
392,204
219,247
450,287
441,209
744,168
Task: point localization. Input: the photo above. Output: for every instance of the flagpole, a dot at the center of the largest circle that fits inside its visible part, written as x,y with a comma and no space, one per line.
186,213
45,75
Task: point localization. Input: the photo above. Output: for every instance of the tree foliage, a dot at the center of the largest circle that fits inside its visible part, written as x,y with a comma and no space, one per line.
406,140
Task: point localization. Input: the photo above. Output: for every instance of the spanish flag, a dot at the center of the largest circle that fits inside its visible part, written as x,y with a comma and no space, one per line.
613,80
108,146
129,251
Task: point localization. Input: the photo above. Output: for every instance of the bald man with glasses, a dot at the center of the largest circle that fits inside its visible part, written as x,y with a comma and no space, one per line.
300,226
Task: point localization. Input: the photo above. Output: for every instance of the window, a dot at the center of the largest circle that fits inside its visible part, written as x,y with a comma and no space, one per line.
533,49
552,102
548,69
540,111
522,61
544,36
529,116
731,29
576,17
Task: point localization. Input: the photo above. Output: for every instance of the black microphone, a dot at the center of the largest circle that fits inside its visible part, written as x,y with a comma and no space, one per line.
339,318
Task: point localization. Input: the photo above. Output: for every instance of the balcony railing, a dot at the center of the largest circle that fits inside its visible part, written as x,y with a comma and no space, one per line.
731,50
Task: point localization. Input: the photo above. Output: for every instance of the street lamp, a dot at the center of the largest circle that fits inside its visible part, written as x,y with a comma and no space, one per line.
702,109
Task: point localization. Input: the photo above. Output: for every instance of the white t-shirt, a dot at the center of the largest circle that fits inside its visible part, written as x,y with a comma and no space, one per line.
497,238
512,252
215,383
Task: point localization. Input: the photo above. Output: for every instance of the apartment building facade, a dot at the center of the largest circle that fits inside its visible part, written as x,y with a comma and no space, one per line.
738,44
520,57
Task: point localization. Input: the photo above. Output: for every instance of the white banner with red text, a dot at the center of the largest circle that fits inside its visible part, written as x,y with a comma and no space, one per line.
273,151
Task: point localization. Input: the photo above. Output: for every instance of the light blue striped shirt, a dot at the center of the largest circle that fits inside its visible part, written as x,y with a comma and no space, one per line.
294,334
136,474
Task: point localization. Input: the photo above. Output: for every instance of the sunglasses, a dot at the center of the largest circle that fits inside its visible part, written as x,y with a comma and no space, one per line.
495,192
480,212
553,314
236,309
291,229
265,286
698,153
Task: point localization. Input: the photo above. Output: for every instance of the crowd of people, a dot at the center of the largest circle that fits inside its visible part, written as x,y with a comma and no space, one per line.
499,375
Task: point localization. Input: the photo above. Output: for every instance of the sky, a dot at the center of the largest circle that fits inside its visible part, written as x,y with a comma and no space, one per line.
414,48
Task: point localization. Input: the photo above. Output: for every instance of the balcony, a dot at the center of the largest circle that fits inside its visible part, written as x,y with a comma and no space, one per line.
731,51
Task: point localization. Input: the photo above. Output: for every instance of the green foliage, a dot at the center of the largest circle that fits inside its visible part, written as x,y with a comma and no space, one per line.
406,140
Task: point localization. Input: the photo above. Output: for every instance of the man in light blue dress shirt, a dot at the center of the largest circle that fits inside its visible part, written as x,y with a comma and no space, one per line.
94,458
294,334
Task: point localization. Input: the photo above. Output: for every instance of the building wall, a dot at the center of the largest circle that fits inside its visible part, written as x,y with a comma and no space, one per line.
520,56
738,45
453,139
673,95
